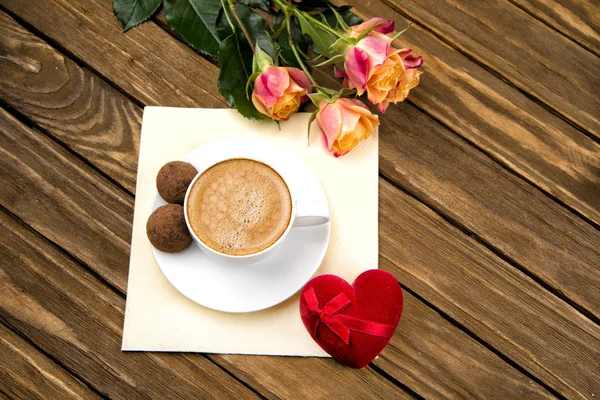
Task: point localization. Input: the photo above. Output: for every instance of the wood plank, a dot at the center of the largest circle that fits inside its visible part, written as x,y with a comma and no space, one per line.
66,100
469,353
579,20
514,130
424,329
509,215
489,297
25,373
72,316
426,379
424,346
135,57
482,316
521,49
430,161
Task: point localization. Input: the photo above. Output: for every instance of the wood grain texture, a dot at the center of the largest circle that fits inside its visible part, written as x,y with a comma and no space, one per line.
426,344
521,49
418,153
482,311
25,373
489,297
34,176
73,310
500,120
467,354
67,312
514,218
136,57
282,377
427,382
579,20
66,100
482,315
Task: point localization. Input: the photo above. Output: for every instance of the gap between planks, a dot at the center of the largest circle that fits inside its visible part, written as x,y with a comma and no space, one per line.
494,72
159,20
31,124
507,167
477,338
162,23
128,97
454,223
378,370
33,344
565,34
498,253
75,259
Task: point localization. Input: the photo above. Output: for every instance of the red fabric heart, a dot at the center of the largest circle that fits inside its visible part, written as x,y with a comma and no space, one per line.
352,323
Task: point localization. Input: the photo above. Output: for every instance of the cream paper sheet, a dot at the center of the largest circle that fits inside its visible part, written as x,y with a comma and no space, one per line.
159,318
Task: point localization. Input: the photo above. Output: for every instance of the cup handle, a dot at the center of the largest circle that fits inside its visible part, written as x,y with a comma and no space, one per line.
310,213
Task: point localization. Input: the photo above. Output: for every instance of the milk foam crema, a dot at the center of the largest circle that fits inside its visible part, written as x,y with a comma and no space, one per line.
239,207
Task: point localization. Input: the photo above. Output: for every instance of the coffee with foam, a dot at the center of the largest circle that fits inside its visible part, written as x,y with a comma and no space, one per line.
239,207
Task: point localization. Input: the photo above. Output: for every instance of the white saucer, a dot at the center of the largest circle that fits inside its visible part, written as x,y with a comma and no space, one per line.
247,288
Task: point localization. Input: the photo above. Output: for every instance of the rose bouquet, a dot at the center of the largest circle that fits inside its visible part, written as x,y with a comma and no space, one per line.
267,48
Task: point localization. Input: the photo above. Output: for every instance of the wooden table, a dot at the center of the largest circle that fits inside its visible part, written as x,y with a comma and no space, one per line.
489,207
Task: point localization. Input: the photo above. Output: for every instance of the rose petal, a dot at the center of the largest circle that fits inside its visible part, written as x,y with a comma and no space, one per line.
329,120
337,73
410,61
386,26
277,80
300,78
349,120
260,105
356,64
377,49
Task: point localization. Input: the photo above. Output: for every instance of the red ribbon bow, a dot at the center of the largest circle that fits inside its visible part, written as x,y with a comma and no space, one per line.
340,324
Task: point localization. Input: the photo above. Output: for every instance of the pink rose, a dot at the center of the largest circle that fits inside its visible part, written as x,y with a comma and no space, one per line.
279,91
345,123
373,65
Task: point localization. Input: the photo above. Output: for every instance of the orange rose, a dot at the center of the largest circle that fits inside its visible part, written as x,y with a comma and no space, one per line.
279,91
373,65
345,123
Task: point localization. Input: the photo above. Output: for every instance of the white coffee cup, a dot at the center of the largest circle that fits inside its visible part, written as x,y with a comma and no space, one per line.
304,213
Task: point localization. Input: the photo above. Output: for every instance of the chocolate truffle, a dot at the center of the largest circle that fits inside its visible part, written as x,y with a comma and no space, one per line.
173,180
166,229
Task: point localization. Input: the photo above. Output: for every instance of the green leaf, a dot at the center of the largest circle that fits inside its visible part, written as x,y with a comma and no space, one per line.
318,97
310,121
321,39
333,60
348,16
261,4
235,57
283,44
196,22
223,27
257,27
341,46
397,34
341,24
261,60
133,12
250,81
367,31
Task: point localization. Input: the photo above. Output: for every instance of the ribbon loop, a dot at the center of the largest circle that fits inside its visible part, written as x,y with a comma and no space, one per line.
339,324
